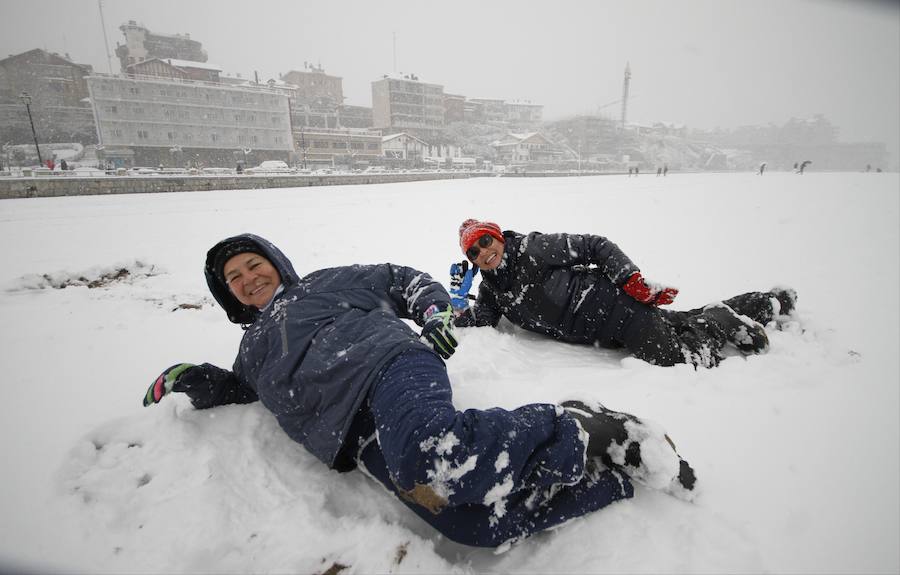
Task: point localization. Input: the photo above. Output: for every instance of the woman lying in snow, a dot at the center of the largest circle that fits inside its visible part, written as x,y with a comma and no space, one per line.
329,356
584,289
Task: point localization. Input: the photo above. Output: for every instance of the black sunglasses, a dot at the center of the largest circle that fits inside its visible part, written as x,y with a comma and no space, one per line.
483,242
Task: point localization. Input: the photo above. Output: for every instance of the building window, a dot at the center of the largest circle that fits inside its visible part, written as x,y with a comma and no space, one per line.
171,135
142,135
214,137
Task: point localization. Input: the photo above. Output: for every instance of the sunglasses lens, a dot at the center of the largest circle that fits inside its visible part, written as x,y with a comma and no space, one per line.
484,241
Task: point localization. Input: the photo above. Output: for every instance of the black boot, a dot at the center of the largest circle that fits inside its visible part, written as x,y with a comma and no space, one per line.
617,438
787,298
604,428
748,336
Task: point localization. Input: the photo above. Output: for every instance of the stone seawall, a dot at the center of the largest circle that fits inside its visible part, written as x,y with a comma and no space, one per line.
54,186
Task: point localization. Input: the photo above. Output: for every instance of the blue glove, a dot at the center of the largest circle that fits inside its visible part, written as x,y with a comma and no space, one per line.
460,283
438,330
166,383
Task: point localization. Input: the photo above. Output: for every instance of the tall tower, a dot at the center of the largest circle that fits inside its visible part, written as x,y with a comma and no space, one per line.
625,92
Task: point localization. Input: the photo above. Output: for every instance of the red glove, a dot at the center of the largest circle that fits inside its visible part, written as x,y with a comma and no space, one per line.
649,292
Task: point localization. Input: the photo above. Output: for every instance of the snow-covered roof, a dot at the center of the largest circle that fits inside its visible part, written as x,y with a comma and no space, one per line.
406,78
191,64
395,136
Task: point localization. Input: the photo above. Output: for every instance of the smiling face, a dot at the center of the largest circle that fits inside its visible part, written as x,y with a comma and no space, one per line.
251,278
491,256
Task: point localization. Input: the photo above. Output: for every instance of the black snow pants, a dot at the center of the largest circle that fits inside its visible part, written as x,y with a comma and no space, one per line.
668,337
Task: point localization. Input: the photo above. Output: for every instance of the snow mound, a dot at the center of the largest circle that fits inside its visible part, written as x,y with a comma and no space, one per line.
94,277
247,499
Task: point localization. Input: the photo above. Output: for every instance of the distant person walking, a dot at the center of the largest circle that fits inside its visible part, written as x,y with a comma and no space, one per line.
665,170
762,169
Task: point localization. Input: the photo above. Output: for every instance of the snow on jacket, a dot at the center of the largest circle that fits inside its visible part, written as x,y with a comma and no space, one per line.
312,353
562,285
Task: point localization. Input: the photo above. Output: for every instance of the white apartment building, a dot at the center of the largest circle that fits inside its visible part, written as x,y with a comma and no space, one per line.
164,121
406,104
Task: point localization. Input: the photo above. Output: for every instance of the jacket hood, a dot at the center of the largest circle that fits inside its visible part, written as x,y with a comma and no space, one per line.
238,312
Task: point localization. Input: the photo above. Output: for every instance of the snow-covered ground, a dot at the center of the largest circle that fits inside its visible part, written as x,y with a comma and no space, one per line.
797,450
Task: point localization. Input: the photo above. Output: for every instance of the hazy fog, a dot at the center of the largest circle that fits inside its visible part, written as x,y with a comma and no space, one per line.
696,62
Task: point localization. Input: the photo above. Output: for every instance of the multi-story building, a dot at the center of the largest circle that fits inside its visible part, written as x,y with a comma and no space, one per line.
317,101
172,122
404,149
315,87
59,99
177,69
141,44
355,116
454,108
473,112
347,147
528,149
492,110
406,104
523,112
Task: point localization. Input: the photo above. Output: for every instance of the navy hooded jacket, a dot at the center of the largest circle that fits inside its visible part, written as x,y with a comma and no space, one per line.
566,286
311,355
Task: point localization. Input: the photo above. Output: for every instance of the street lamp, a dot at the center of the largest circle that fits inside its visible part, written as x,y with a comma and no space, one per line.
26,99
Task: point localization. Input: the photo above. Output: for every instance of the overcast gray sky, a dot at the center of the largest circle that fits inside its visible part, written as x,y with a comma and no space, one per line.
704,63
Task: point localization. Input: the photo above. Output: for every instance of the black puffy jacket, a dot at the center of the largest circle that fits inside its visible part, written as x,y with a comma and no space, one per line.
566,286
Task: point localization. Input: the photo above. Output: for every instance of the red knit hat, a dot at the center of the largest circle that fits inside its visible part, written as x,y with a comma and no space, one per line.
471,229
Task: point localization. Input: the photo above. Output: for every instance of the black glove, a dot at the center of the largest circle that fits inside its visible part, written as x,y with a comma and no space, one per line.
166,383
438,330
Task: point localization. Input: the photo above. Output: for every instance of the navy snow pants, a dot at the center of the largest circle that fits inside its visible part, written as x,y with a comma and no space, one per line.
480,477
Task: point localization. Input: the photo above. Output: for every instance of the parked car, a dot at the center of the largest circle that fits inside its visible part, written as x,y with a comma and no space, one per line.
88,172
142,171
270,167
173,171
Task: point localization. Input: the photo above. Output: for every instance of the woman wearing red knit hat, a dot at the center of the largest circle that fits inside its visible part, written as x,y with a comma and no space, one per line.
581,288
